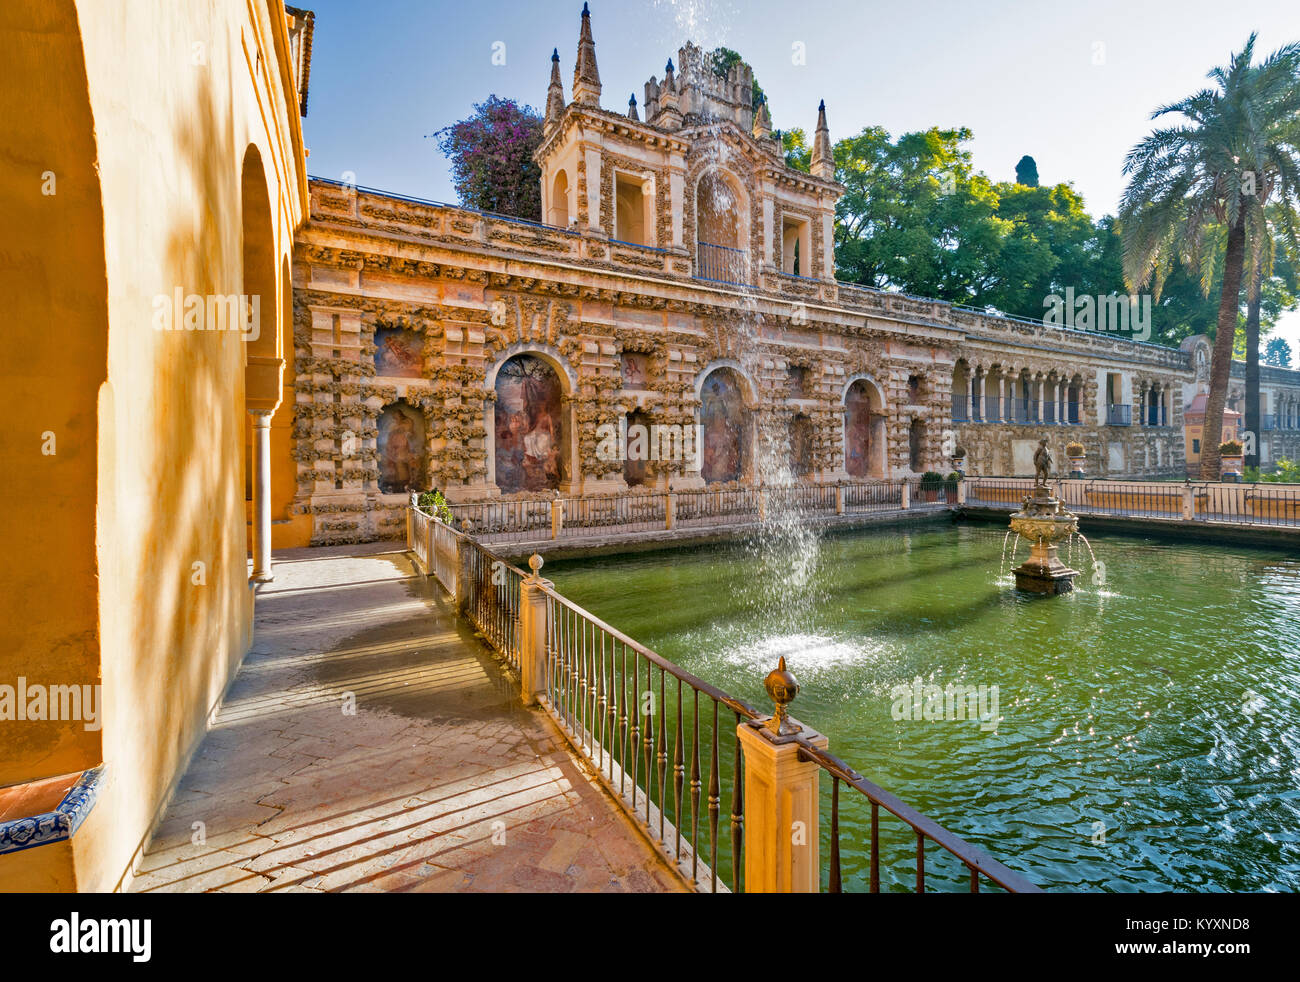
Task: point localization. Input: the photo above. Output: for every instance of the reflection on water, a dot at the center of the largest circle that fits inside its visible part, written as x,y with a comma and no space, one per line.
1148,736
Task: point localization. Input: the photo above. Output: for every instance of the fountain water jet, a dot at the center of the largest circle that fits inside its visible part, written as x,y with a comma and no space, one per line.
1044,521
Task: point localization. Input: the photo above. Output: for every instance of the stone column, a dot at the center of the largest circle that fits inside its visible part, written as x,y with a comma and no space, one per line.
532,632
262,496
781,798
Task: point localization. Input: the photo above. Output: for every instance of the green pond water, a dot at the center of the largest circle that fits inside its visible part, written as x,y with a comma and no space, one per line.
1146,734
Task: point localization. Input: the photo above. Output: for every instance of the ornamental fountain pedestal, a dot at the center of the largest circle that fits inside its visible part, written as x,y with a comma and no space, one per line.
1044,521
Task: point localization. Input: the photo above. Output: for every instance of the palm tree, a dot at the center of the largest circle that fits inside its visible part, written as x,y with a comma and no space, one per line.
1210,176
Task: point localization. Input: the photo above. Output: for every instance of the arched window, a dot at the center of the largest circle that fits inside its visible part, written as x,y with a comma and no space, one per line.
560,200
719,229
530,437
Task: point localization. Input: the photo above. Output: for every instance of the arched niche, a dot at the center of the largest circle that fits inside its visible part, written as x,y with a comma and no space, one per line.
916,444
864,429
401,445
636,459
726,427
801,446
531,440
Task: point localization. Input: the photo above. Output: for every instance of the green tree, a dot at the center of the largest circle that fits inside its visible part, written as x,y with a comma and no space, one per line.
916,217
1210,169
797,152
1277,353
1027,172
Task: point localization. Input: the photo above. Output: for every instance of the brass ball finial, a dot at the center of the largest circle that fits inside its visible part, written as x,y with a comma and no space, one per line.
782,687
535,563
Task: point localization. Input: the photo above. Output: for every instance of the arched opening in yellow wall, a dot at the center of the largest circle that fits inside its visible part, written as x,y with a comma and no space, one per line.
55,283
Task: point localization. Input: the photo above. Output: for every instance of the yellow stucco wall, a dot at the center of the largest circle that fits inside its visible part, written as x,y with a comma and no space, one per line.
52,275
177,93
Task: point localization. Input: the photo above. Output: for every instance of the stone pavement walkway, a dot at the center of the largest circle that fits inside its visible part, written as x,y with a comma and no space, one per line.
439,781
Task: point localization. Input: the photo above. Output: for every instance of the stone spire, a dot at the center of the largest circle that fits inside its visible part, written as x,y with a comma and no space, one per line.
823,164
555,94
762,121
631,108
586,77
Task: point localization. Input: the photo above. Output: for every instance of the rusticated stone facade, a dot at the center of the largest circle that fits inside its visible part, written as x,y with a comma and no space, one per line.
618,313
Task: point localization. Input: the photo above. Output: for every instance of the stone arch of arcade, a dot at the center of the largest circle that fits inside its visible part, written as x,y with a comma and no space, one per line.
987,390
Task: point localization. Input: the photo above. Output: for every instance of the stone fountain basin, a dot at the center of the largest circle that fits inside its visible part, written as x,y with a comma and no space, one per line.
1044,528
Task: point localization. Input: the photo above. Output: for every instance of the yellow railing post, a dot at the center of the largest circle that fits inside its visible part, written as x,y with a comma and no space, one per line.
557,516
532,633
782,837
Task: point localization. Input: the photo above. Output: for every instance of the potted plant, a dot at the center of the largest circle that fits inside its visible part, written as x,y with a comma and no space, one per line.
437,506
930,486
959,459
1231,460
1075,453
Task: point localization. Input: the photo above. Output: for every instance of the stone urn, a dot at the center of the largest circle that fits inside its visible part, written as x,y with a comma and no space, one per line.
1044,521
959,463
1231,466
1075,454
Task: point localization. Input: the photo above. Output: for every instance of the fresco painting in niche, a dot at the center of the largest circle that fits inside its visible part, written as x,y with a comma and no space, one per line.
857,431
401,449
636,370
723,419
398,353
529,426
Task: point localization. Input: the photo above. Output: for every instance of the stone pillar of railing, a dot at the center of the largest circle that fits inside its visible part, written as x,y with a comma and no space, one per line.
762,504
670,509
961,492
839,499
782,835
1189,503
557,516
412,502
532,632
907,495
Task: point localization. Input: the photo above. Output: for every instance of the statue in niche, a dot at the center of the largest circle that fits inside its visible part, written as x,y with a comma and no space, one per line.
398,353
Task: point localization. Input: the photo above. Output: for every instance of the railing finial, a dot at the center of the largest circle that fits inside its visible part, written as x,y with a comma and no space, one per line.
535,563
782,686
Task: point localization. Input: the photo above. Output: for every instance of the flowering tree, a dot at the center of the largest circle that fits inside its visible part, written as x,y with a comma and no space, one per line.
491,155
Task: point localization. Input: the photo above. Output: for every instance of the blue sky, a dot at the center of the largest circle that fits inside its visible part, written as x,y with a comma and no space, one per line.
1072,84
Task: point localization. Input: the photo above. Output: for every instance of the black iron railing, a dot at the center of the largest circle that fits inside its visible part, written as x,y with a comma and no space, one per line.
721,264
